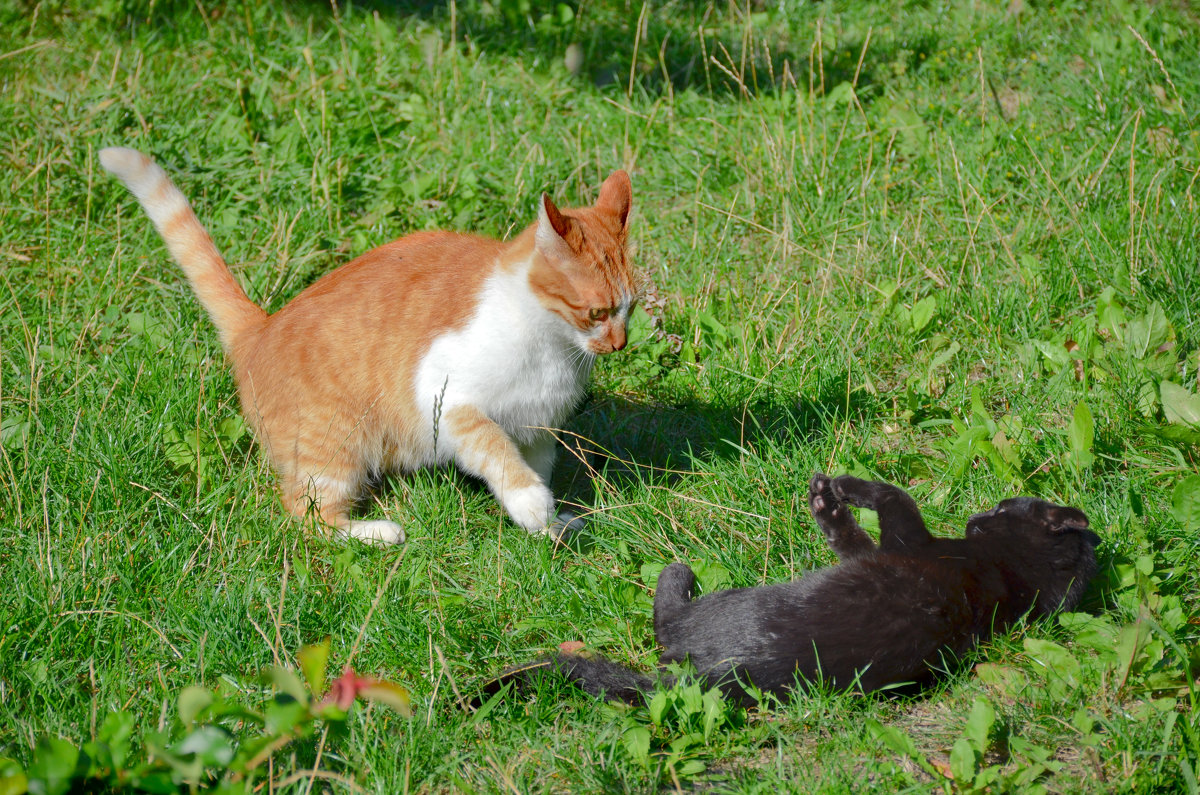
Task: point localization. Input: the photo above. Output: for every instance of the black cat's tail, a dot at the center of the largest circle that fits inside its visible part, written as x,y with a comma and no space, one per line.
598,676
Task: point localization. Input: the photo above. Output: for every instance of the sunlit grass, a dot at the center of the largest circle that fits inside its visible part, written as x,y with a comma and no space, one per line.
882,238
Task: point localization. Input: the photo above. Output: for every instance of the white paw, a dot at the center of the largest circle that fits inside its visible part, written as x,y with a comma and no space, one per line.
531,507
375,531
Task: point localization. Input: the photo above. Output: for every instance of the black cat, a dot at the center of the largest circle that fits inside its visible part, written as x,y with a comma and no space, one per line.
896,613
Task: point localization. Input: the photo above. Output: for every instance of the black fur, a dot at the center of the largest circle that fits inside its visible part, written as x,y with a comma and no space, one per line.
884,615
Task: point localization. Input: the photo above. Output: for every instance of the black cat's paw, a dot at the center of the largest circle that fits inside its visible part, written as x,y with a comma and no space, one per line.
833,516
858,492
827,508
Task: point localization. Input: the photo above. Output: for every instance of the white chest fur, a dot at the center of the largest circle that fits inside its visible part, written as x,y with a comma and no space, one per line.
518,363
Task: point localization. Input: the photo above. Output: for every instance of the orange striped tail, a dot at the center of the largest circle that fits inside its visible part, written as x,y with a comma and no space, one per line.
220,294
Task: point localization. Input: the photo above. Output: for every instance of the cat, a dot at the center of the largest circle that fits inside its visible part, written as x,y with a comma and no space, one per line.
885,615
433,348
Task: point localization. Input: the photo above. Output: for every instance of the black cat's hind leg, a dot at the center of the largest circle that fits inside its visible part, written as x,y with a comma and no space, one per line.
843,534
901,527
672,598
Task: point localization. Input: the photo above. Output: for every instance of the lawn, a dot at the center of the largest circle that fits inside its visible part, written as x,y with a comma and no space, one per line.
948,246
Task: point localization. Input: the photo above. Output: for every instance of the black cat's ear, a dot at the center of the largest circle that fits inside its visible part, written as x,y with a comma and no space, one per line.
1064,519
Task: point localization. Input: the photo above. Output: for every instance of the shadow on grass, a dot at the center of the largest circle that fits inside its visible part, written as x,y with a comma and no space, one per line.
626,443
712,47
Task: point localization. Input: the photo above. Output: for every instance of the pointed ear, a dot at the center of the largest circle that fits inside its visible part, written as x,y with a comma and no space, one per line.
1063,519
616,196
553,227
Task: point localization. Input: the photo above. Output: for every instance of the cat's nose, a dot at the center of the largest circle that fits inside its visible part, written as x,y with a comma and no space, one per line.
617,337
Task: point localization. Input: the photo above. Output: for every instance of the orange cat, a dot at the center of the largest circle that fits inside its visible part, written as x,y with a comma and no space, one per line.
433,348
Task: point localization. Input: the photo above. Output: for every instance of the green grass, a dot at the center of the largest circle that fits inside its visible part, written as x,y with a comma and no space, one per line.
898,240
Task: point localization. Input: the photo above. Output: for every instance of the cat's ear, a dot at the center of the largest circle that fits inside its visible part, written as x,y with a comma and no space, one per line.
616,196
1063,519
554,230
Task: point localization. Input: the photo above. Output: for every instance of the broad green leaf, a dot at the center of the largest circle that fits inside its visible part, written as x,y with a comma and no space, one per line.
637,742
1148,398
693,699
685,743
1080,436
922,312
1180,406
1176,433
893,738
115,731
1008,680
1082,430
12,778
314,659
944,356
211,745
714,332
979,725
841,94
712,576
1131,647
192,700
712,711
231,429
1007,449
1055,352
14,431
639,326
1145,334
1098,633
963,761
1109,314
982,416
283,714
649,573
148,328
1061,668
286,681
1185,502
53,768
1051,655
658,706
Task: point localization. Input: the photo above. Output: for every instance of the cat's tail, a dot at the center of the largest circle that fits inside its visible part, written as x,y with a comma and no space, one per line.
224,299
598,676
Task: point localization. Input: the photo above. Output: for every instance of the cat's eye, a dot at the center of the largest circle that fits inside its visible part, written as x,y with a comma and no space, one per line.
598,314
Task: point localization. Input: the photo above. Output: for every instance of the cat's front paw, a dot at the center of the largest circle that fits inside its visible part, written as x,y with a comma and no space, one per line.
532,507
375,531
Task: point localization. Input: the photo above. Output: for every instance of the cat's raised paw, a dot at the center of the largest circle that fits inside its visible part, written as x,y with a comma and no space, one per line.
822,500
375,531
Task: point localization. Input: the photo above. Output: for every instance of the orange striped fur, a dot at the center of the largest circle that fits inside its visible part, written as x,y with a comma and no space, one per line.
438,347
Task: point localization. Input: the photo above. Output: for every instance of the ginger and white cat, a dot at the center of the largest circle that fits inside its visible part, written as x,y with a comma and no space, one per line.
433,348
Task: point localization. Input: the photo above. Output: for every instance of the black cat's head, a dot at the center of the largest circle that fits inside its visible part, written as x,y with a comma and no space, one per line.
1030,511
1050,545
